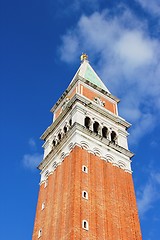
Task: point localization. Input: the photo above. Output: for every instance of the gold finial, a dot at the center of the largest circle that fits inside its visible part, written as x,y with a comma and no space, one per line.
84,56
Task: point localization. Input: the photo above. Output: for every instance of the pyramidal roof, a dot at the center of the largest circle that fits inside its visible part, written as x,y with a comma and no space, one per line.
86,72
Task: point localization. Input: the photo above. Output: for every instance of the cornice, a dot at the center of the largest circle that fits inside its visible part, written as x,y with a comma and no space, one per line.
87,133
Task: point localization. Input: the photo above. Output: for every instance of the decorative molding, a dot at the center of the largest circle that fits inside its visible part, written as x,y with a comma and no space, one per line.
97,152
91,144
84,145
65,103
98,101
85,134
108,158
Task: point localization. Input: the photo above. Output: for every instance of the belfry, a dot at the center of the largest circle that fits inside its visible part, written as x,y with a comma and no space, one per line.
86,188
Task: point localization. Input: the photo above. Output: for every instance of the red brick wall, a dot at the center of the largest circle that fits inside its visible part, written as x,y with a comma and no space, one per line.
110,209
91,95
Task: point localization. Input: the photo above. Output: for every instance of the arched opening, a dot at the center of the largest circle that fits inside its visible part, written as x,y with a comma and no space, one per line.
104,132
70,122
87,122
113,137
54,143
85,225
39,233
96,127
59,136
85,194
84,169
65,129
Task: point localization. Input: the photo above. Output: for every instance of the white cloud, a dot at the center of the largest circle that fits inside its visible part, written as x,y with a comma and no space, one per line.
145,124
69,48
134,48
152,7
146,200
149,195
31,161
128,62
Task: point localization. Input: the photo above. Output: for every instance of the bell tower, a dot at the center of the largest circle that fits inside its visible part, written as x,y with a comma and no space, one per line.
86,188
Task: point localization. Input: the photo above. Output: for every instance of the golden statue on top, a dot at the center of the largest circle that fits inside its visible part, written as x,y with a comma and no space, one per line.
84,56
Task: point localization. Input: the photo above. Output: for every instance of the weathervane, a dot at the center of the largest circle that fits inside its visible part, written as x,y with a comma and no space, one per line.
84,56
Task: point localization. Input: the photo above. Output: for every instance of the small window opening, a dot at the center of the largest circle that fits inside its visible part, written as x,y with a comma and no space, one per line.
70,122
113,137
96,127
43,206
39,233
85,194
104,132
65,129
84,169
54,143
87,122
85,225
59,136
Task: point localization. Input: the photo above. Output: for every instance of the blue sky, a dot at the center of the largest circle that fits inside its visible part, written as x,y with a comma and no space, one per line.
40,45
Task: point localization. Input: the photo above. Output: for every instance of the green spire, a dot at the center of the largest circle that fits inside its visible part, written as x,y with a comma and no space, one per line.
87,72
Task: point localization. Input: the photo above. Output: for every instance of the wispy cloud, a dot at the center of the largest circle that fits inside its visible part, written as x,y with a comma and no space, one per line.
128,62
149,194
69,7
81,4
31,161
152,7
